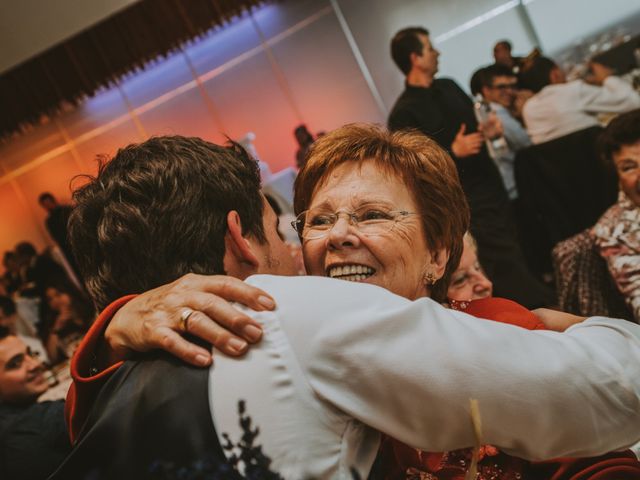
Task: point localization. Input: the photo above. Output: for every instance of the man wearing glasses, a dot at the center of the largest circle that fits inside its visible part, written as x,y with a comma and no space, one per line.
33,436
497,84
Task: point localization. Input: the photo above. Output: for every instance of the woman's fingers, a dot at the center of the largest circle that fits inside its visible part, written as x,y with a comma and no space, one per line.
172,342
230,288
204,327
159,318
219,321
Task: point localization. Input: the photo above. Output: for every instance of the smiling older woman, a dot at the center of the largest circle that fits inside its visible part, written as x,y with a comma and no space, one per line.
390,204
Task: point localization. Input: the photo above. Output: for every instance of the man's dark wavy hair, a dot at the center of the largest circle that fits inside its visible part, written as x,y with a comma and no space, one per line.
485,76
158,210
404,43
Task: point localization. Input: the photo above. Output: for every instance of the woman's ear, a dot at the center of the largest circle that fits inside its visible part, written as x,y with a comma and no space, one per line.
439,262
238,250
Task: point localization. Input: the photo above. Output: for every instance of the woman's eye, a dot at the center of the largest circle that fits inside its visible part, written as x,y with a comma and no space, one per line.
368,215
320,220
459,281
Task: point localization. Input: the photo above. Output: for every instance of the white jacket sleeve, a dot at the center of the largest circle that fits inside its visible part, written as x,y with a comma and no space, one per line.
409,369
614,96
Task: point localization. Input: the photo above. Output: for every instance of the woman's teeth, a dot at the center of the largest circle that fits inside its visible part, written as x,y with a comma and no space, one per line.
351,273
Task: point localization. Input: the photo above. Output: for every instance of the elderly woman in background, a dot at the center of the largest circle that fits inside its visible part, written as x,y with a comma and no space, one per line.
617,233
469,282
387,209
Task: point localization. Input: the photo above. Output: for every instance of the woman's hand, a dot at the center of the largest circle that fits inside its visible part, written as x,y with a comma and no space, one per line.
556,320
153,319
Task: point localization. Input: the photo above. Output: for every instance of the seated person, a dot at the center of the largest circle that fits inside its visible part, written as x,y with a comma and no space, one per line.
66,319
33,436
469,282
11,277
617,233
10,319
559,108
370,203
36,270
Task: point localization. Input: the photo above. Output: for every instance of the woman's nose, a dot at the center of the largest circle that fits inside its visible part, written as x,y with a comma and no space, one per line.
342,234
482,284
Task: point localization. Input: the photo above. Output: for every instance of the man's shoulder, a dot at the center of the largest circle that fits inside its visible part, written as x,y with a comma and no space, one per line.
310,283
318,296
404,99
446,81
154,408
158,380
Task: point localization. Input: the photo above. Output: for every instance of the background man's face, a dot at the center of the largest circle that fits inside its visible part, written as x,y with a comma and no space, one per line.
428,61
501,91
502,54
21,375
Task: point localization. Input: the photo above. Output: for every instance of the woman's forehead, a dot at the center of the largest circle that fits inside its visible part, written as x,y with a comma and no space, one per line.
369,169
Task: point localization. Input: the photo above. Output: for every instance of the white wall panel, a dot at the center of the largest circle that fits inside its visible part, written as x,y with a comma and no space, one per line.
560,23
326,83
250,99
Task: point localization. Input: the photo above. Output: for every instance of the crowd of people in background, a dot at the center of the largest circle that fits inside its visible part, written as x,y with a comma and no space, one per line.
42,301
371,191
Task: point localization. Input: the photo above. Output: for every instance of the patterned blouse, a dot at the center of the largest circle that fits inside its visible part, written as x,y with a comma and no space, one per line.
617,237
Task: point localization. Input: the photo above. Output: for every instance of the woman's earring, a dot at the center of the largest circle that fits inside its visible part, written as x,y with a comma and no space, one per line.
429,278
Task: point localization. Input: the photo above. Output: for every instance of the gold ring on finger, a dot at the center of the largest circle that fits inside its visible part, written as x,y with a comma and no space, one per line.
184,319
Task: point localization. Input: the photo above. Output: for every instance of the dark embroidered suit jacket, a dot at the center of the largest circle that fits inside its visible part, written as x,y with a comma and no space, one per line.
152,410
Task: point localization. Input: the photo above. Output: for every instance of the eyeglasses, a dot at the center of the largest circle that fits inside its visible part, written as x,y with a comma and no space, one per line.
314,224
505,86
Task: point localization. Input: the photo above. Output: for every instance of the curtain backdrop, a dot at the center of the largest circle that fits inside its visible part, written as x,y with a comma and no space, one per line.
100,55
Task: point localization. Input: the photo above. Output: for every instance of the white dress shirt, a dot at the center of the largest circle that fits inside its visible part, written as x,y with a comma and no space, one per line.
340,361
564,108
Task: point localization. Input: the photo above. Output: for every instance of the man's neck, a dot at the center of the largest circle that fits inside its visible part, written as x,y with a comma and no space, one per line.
417,78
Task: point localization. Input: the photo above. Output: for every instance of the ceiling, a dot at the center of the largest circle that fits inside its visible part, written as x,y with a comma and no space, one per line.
28,27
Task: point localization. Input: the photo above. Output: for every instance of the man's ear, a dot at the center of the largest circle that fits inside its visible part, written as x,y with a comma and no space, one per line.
483,91
439,262
413,57
238,250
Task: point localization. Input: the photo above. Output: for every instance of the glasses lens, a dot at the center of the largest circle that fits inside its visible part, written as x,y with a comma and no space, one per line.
312,224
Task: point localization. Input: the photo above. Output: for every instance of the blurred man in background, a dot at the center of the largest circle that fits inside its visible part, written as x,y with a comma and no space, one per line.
440,109
33,436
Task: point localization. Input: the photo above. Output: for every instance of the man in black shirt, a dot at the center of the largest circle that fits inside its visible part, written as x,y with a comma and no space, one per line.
442,110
